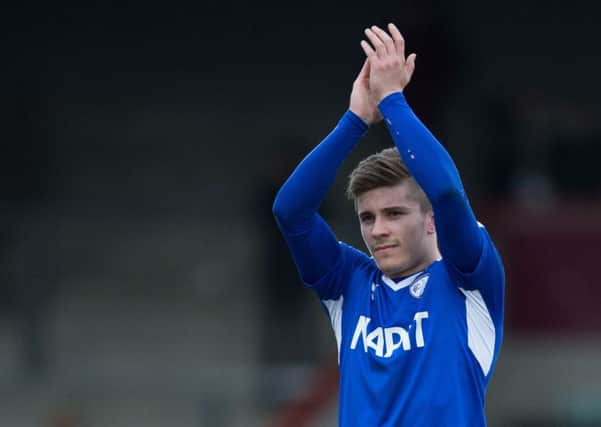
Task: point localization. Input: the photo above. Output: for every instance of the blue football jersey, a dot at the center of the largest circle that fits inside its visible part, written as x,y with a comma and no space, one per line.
417,351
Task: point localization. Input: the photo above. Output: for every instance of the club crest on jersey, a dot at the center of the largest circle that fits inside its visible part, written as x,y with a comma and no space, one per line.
418,287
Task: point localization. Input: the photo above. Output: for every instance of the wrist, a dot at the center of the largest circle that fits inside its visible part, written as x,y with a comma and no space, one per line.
392,102
387,93
366,118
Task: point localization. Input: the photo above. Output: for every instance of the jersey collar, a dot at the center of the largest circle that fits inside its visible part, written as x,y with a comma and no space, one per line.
406,281
403,283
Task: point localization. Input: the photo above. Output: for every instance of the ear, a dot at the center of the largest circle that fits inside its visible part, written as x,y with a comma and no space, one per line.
430,225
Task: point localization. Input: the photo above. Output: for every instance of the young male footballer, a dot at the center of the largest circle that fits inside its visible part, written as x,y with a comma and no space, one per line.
418,321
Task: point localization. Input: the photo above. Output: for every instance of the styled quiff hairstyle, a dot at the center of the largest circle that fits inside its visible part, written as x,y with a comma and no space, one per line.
384,169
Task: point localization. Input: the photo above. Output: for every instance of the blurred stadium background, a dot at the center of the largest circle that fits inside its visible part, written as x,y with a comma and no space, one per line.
143,282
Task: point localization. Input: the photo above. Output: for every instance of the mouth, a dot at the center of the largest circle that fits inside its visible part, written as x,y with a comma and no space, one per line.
383,248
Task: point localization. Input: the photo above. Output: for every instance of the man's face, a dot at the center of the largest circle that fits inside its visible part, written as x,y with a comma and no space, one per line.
395,230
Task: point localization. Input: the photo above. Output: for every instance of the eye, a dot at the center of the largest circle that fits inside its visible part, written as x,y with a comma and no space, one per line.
395,214
366,218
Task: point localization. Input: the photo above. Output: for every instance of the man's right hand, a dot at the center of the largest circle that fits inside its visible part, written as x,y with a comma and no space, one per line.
362,102
390,71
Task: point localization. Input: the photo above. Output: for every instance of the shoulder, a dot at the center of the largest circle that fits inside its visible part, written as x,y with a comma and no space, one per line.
489,262
351,265
488,276
354,261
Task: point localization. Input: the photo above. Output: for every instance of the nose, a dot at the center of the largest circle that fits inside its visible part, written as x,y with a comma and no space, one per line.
380,228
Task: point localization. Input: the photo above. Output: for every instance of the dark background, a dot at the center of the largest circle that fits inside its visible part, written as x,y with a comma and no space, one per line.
143,281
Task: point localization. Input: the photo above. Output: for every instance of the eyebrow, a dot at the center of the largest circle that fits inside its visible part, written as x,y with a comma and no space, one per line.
387,209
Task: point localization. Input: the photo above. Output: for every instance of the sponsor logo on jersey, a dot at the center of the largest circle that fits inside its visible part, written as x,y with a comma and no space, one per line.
385,341
418,287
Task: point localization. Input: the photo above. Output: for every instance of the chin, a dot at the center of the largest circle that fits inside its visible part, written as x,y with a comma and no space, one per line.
389,267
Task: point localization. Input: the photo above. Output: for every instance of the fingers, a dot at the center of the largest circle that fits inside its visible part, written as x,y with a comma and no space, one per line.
384,38
378,45
399,41
363,75
382,43
410,64
369,51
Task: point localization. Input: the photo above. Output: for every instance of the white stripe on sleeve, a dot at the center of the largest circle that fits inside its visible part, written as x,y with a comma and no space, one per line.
480,329
334,307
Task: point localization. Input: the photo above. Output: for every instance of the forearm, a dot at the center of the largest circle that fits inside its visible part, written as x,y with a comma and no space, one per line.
434,170
425,157
312,244
300,196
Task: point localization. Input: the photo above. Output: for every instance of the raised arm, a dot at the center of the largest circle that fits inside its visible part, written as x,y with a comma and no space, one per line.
459,237
313,245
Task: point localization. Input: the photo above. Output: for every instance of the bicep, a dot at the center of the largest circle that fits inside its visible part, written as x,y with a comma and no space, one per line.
469,253
323,262
487,276
315,249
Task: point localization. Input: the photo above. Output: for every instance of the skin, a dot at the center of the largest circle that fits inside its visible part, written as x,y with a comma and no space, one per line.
399,235
390,71
385,71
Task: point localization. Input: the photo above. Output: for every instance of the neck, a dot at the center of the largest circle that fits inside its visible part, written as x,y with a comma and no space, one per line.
433,255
